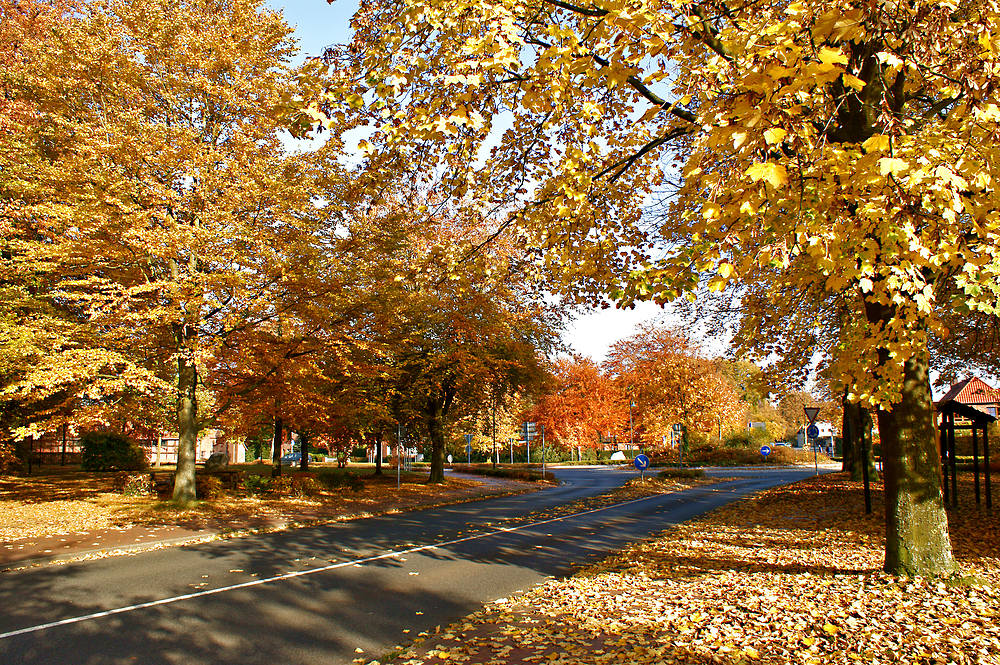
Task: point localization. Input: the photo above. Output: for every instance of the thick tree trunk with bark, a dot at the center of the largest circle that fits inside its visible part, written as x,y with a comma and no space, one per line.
435,411
276,447
857,433
187,430
916,525
435,430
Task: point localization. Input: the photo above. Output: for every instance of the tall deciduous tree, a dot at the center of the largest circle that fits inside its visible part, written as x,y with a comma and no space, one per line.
155,195
825,147
670,382
582,404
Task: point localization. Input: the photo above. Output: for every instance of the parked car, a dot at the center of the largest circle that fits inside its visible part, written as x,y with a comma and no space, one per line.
291,458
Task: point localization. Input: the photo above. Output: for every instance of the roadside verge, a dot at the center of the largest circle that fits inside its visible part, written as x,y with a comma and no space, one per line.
792,575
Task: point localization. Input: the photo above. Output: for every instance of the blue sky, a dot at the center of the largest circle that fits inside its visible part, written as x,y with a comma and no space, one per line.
317,23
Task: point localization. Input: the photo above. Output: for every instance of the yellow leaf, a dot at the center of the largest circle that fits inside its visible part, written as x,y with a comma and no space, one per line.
852,81
775,174
830,629
726,269
892,165
774,135
878,142
832,56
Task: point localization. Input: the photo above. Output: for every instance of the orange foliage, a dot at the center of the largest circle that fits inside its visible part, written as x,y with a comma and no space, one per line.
671,381
583,404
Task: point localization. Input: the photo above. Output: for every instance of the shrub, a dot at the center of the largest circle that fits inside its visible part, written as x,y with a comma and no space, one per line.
8,458
208,487
256,484
753,439
303,486
107,451
134,484
294,485
334,479
681,473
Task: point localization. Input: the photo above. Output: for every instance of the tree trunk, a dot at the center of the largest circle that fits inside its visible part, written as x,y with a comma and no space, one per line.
378,453
187,430
848,434
304,450
276,447
857,428
435,431
916,524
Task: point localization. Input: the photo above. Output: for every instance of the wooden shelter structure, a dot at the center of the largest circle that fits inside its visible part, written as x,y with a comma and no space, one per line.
956,415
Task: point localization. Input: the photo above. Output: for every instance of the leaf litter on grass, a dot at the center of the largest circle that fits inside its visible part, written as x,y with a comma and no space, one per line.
790,576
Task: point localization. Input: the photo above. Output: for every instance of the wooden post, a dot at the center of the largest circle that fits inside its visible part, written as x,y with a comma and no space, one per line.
954,463
975,459
862,442
986,461
943,444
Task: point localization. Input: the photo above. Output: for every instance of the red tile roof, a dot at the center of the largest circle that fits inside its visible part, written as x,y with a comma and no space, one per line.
972,391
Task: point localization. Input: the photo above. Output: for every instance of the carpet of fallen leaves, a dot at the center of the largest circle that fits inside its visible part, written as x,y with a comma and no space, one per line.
72,502
790,576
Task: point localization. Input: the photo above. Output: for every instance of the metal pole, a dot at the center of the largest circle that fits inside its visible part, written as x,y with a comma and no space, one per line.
512,450
527,438
63,463
399,452
815,452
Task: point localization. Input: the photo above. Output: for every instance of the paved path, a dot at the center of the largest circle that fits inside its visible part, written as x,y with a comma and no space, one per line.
315,595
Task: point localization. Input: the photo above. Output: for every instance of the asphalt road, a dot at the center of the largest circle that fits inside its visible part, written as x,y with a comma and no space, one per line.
315,595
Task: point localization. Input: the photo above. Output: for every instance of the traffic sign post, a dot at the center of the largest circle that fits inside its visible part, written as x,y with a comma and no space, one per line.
468,448
641,463
528,431
811,413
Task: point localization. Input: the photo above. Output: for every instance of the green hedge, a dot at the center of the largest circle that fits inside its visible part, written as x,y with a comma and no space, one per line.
107,451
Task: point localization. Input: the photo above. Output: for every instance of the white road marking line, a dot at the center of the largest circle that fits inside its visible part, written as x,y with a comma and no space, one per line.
302,573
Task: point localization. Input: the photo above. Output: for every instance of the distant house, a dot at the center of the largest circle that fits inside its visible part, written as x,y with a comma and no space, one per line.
825,440
976,393
63,445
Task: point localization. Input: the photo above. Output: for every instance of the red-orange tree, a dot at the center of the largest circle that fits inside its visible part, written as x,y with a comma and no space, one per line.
581,405
671,381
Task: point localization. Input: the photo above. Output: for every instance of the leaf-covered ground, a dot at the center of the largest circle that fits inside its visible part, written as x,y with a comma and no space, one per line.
59,502
791,576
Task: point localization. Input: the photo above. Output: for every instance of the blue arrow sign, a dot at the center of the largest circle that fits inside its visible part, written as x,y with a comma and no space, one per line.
765,450
813,432
641,462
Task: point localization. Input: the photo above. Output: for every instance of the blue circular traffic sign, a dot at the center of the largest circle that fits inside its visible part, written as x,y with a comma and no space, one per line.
641,462
765,450
813,432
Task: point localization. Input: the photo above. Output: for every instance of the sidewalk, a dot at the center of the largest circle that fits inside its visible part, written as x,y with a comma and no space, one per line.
100,543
